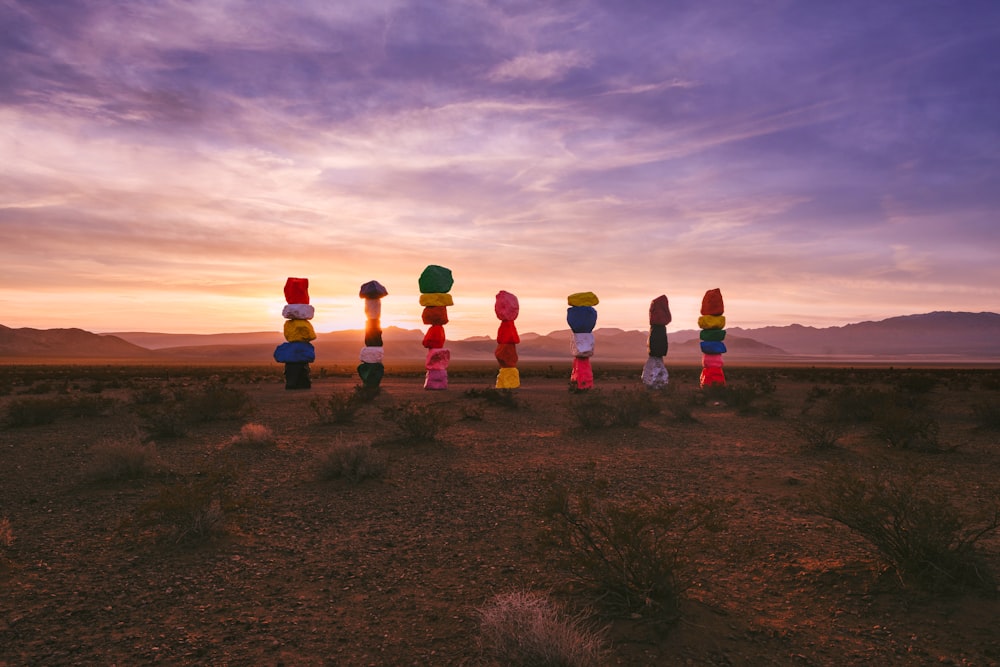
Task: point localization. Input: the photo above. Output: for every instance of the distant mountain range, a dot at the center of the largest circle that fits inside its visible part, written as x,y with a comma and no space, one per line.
941,336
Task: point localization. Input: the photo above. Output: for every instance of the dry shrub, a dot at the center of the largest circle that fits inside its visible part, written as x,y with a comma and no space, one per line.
506,398
128,458
6,534
6,544
355,463
629,552
418,422
524,628
819,433
170,419
904,424
596,409
189,511
846,405
682,412
174,417
34,411
987,414
913,525
340,407
254,435
215,401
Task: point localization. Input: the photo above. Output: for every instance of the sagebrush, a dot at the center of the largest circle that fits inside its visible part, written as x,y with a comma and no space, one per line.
123,458
354,462
913,525
630,551
418,421
597,409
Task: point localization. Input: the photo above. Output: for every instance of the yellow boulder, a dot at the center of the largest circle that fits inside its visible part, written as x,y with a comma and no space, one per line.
432,299
712,322
508,378
582,299
299,331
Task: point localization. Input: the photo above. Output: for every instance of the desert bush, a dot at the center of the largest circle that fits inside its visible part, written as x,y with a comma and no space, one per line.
366,394
913,526
819,433
597,409
150,395
524,628
174,417
6,534
851,405
189,511
474,413
630,553
762,382
340,407
355,463
39,388
738,397
916,383
771,408
417,421
506,398
987,414
128,458
214,401
171,419
34,411
681,410
905,426
254,435
89,406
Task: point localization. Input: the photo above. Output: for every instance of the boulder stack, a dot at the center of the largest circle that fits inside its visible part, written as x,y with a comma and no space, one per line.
507,309
371,369
654,373
582,318
435,284
713,332
297,352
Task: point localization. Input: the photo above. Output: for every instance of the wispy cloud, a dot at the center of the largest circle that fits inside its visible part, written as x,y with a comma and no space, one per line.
806,160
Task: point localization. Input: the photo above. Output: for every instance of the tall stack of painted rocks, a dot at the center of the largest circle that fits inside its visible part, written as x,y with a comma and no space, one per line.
435,284
654,373
371,369
713,332
297,353
507,309
582,318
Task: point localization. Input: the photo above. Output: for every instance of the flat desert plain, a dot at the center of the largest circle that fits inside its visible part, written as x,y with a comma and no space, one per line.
285,567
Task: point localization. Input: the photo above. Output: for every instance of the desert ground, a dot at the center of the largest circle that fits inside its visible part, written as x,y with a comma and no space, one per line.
287,567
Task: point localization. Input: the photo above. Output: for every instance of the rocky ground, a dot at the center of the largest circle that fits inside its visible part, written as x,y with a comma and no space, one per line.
392,570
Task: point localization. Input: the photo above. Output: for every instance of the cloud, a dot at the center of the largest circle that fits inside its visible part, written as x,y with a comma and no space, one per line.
553,65
202,150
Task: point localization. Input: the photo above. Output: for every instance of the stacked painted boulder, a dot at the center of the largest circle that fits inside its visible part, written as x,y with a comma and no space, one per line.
507,339
582,318
435,284
371,369
713,333
297,352
654,373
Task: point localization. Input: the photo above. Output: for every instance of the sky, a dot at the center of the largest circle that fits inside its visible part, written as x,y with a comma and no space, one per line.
165,165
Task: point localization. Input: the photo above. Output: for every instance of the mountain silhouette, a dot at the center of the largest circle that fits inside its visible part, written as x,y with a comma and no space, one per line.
942,336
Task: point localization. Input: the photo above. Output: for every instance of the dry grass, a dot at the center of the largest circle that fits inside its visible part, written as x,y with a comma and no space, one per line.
525,628
254,435
127,458
354,462
6,534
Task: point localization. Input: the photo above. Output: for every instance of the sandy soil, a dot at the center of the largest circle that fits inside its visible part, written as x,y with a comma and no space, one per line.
391,571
